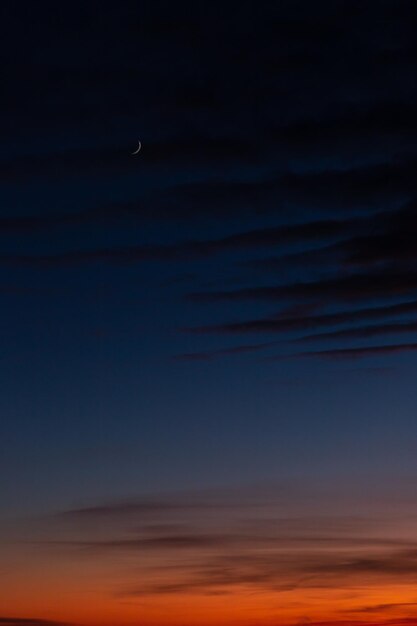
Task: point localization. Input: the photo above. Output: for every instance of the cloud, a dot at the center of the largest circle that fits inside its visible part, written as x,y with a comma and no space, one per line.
359,286
227,541
154,510
285,234
390,241
333,170
362,332
287,570
256,238
179,541
358,187
265,237
135,507
280,323
363,189
383,237
388,123
214,354
376,608
358,353
395,564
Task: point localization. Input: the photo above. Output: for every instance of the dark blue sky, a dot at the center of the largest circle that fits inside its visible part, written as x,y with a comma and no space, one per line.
237,303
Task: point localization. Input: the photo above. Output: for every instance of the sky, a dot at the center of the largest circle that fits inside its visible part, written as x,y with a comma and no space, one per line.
208,348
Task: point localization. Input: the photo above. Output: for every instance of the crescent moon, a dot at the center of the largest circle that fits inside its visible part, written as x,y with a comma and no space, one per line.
139,147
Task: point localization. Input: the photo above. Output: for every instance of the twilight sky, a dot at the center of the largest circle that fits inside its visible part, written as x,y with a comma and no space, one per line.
209,349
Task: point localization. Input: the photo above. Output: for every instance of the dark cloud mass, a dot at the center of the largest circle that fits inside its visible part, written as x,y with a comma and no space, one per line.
292,173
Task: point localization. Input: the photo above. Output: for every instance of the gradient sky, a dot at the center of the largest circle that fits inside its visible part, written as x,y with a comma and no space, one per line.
208,364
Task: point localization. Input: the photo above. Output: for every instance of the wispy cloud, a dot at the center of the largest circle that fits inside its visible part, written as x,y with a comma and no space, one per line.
258,238
377,608
337,289
281,323
356,353
214,354
363,332
289,570
236,541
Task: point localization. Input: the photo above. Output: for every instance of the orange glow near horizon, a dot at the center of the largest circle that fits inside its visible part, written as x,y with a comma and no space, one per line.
80,592
245,607
234,559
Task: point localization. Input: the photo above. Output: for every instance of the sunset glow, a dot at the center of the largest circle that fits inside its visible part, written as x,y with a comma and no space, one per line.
208,285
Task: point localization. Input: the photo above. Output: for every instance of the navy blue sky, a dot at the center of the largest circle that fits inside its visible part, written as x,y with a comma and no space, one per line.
237,303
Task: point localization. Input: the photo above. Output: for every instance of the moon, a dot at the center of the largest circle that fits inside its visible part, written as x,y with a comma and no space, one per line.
138,148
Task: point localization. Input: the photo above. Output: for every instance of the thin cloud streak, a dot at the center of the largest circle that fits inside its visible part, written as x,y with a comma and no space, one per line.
231,542
258,238
337,289
280,323
214,354
357,353
362,332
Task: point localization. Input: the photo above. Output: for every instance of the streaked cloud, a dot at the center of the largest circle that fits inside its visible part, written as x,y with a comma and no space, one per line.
269,539
362,352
